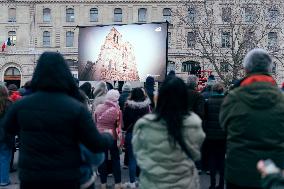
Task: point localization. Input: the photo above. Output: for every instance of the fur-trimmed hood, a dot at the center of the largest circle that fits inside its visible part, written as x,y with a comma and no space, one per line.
138,105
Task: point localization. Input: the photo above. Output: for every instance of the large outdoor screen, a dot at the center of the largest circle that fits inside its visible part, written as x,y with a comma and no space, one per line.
123,52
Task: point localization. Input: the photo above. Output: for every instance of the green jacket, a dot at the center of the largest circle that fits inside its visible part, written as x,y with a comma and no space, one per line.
273,181
164,166
253,118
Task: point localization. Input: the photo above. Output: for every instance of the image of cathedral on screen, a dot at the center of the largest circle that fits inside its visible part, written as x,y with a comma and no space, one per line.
116,60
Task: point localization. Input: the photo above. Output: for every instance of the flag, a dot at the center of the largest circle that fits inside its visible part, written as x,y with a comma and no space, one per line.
3,46
9,41
6,43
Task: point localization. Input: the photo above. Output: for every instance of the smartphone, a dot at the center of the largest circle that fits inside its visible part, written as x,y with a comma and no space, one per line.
270,167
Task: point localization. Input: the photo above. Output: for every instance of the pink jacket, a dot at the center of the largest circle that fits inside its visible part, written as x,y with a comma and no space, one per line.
108,116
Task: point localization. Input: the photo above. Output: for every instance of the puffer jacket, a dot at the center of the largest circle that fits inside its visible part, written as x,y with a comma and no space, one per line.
252,116
108,116
212,127
163,165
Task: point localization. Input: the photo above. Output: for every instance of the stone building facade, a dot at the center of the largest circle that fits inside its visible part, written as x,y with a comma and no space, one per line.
35,26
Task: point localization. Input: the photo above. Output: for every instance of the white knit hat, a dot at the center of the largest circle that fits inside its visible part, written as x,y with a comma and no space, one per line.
112,95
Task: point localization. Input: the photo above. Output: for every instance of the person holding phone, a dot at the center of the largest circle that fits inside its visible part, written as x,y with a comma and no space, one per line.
272,177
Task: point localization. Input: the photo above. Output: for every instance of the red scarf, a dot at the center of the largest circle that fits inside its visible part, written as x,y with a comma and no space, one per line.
258,78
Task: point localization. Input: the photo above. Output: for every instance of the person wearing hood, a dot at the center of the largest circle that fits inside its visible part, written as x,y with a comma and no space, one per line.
108,117
126,90
150,89
99,94
252,117
215,136
136,107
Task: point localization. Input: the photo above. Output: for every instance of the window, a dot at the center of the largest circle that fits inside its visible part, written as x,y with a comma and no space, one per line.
249,14
70,15
46,15
169,39
171,66
273,15
192,15
117,15
142,13
224,66
272,39
226,39
191,39
274,68
191,67
69,39
167,15
94,15
12,71
46,39
13,38
226,14
249,40
12,15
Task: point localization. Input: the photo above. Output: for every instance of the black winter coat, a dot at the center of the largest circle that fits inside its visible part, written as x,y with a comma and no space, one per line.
212,127
122,99
196,102
51,126
133,111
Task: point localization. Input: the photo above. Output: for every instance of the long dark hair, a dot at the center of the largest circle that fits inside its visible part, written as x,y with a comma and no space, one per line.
172,106
4,99
137,95
53,74
87,88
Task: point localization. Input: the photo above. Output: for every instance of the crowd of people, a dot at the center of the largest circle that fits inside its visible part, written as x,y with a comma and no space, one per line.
68,134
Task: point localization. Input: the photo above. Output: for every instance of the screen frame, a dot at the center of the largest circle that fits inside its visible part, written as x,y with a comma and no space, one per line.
104,25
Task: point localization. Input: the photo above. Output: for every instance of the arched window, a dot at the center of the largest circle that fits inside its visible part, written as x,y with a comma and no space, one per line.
167,15
69,39
46,39
93,15
142,15
70,15
12,15
12,71
12,37
12,75
46,15
117,15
